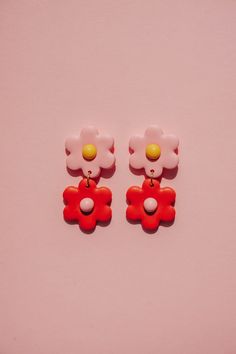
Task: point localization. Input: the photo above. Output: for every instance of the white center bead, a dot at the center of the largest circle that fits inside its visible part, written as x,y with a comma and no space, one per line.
150,205
86,205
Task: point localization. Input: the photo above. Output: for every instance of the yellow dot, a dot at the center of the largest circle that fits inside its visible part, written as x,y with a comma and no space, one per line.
89,152
153,151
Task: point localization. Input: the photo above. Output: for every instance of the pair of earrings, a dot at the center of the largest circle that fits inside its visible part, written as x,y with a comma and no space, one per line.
91,152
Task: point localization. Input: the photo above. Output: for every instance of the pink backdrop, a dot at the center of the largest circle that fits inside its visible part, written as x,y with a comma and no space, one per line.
120,65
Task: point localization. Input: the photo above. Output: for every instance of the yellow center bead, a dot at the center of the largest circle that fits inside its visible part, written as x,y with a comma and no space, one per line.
153,151
89,152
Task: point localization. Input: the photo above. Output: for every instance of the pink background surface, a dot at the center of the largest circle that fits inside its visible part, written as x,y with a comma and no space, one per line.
119,65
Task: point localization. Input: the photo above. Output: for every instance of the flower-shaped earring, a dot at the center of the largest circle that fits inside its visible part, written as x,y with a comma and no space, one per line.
152,152
87,204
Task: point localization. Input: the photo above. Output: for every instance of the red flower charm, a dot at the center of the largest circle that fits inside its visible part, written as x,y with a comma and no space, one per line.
150,204
87,204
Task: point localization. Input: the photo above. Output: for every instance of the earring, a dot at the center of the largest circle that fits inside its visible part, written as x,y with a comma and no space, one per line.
151,204
88,204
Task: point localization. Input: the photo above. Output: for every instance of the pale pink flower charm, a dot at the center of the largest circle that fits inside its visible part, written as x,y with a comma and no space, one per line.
90,152
154,151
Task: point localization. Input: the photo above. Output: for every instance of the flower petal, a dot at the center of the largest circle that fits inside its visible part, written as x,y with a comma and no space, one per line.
136,142
153,169
134,195
88,135
104,213
169,142
104,195
70,213
168,213
106,141
133,212
166,196
150,222
87,222
84,189
94,169
170,160
70,194
137,159
72,143
73,161
151,189
153,134
107,160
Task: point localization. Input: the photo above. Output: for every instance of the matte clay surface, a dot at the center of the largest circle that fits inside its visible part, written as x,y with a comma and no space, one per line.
139,199
89,143
120,66
165,145
87,204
